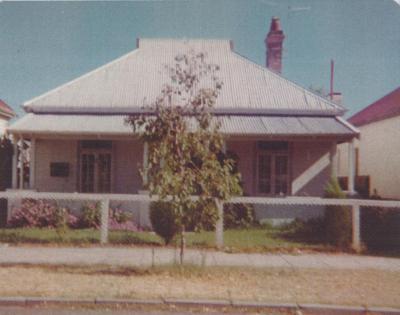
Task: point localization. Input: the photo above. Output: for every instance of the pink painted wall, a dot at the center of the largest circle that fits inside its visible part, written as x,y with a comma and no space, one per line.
245,150
308,161
48,151
127,155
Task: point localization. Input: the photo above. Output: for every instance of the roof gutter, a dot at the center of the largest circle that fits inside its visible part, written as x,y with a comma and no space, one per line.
65,110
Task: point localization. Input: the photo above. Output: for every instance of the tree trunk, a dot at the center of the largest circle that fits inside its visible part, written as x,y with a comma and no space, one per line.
183,244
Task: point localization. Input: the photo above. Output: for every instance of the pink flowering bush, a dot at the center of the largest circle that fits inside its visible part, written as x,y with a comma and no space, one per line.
120,220
90,216
117,220
43,214
40,213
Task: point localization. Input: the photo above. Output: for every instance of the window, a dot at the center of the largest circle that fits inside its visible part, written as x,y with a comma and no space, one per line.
273,168
59,169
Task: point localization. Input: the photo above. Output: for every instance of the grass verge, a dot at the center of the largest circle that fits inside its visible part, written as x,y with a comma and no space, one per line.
345,287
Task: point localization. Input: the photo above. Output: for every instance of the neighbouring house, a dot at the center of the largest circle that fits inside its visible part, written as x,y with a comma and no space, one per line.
6,113
285,136
378,149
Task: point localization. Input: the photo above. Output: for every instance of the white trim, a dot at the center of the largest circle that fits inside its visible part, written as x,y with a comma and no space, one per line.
348,125
333,159
32,163
351,163
15,163
21,163
295,200
310,173
145,163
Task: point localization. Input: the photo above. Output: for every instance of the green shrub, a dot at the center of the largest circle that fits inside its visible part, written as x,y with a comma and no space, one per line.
163,220
90,216
235,216
380,227
311,230
201,219
337,218
239,216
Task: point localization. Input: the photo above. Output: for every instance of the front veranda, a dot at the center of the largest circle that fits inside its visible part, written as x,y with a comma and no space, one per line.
269,166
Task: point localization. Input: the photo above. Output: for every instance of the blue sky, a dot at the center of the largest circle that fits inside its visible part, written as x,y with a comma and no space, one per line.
45,44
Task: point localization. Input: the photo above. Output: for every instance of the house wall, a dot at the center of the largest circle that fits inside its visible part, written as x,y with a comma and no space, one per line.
127,156
309,160
48,151
310,170
379,156
245,150
310,165
3,125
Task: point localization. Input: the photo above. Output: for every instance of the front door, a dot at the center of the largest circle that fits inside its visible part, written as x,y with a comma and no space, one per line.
95,168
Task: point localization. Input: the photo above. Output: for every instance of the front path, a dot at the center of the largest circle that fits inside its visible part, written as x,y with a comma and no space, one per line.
145,257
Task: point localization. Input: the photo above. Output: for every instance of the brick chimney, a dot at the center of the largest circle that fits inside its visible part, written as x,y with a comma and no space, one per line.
273,43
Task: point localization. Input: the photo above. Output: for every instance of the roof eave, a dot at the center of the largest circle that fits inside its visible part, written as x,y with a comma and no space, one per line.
90,110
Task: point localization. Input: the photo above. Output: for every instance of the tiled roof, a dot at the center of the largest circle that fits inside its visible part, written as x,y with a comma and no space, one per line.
386,107
6,110
121,86
230,125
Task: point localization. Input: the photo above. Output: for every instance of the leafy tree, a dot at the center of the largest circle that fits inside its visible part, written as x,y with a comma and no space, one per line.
185,142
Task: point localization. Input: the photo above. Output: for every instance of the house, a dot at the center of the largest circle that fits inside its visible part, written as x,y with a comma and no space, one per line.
378,149
6,113
284,135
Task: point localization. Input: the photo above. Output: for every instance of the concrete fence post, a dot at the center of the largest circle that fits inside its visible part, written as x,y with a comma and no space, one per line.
356,227
105,206
219,227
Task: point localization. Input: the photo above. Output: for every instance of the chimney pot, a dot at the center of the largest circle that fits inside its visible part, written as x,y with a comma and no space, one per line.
275,24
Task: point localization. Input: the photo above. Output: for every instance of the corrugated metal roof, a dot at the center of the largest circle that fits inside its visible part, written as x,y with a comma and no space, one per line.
230,125
124,84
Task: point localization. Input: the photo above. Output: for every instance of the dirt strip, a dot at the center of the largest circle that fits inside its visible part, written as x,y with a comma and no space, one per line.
285,285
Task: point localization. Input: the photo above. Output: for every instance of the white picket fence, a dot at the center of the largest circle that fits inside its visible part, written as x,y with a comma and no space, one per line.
105,199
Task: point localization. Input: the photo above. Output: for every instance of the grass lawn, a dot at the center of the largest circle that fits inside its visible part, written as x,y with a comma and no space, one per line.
244,240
